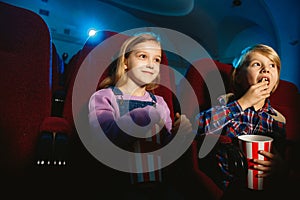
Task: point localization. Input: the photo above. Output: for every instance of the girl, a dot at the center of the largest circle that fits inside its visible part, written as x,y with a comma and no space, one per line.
125,97
248,111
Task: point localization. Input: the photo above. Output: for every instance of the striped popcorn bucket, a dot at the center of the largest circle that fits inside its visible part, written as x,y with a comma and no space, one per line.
146,163
251,145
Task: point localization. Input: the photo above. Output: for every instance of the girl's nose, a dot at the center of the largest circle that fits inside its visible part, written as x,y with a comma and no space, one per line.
150,64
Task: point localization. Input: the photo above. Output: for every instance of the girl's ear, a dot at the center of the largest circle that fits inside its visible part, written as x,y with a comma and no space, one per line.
125,64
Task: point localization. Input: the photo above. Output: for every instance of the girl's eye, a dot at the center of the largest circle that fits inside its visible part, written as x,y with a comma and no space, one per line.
157,60
142,56
272,65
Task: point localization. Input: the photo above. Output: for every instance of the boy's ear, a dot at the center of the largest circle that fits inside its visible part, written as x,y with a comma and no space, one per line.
238,79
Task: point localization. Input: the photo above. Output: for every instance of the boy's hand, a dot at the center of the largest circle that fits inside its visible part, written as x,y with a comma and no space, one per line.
273,165
254,95
264,165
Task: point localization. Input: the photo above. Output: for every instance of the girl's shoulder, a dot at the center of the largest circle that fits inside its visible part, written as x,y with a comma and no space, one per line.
105,92
159,99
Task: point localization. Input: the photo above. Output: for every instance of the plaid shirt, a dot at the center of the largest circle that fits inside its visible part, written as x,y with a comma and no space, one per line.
232,121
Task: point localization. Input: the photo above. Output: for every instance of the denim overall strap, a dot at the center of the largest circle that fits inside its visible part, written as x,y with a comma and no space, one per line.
127,105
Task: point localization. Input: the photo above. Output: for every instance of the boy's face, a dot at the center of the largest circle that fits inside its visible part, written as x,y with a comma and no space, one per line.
260,68
143,62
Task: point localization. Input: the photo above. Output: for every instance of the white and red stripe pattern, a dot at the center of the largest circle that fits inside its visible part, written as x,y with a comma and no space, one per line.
251,145
147,162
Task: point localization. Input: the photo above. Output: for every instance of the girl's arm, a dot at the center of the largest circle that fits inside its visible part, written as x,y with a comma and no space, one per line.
103,111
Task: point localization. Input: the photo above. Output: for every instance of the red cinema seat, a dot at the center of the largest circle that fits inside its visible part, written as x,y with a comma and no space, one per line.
286,100
208,79
79,156
28,132
25,64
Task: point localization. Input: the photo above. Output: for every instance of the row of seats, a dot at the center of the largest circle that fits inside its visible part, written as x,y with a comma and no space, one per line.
25,84
40,104
31,135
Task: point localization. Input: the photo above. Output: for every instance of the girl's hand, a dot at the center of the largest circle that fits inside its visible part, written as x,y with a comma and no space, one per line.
183,122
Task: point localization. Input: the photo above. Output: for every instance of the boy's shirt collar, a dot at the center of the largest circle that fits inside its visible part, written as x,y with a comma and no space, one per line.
268,108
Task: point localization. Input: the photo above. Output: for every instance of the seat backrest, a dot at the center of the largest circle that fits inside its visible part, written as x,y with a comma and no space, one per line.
57,70
58,83
25,64
70,68
285,99
201,74
74,67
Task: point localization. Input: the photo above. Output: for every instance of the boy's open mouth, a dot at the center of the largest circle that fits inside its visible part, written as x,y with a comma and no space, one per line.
264,79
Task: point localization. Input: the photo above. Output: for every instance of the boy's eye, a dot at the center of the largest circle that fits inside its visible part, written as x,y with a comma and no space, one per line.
256,64
272,65
157,60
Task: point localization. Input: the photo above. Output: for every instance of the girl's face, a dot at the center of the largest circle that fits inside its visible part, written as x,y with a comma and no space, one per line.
143,63
260,68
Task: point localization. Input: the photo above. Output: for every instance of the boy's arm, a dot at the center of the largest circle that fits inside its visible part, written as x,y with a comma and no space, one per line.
215,118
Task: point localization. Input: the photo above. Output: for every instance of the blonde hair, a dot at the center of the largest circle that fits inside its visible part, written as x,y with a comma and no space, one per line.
118,73
243,60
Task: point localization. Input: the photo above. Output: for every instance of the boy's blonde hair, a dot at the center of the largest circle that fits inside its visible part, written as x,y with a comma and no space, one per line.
243,61
118,73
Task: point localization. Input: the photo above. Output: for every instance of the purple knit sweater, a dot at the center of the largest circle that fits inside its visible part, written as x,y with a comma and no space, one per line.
104,110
